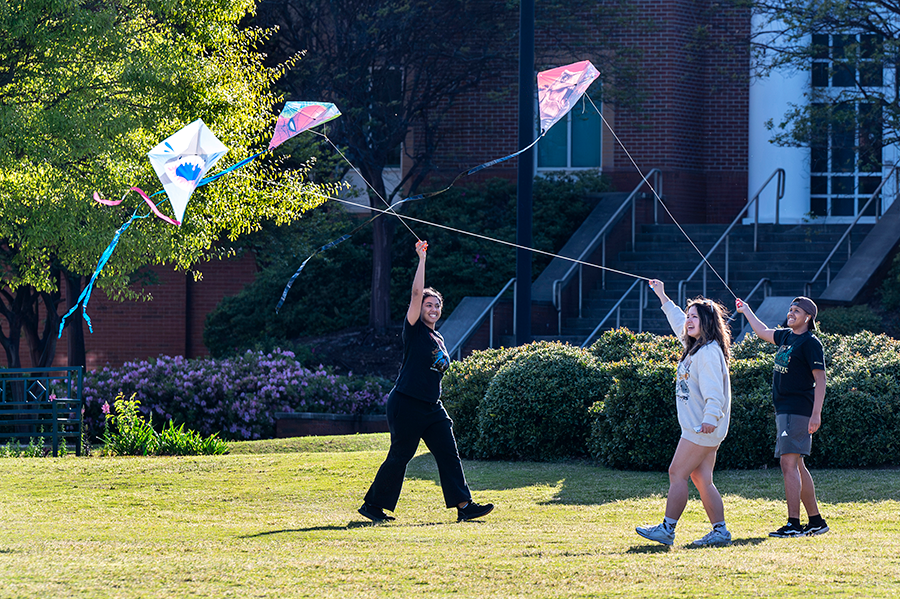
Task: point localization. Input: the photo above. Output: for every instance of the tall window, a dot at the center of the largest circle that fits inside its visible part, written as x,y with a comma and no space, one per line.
572,143
846,144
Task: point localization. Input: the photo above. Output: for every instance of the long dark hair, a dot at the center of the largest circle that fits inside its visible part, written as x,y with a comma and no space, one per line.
712,327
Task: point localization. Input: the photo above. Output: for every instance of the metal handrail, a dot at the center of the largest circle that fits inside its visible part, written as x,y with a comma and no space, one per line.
807,288
779,172
642,290
457,348
560,283
779,193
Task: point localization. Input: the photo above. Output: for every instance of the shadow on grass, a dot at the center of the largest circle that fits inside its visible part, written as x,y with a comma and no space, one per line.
734,543
353,524
639,549
643,549
350,525
584,483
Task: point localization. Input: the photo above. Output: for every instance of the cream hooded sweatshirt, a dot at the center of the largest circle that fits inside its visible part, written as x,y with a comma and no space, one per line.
702,387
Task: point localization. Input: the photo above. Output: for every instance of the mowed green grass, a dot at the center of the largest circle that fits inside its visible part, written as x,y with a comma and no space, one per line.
278,519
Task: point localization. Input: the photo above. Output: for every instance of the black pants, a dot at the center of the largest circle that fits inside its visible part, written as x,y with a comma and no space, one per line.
410,420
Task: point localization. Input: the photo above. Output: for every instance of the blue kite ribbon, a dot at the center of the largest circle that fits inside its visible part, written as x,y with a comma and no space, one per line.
86,293
471,171
325,247
233,167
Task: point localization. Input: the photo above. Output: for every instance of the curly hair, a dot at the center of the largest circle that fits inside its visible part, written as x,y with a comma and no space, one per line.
713,327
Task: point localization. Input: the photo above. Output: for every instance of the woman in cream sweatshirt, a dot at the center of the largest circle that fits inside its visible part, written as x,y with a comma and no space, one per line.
703,400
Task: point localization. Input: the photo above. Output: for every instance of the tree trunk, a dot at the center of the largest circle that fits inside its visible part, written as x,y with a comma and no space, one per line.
14,325
380,301
40,321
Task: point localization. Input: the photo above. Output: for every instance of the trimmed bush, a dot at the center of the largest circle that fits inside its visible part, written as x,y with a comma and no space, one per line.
751,433
618,344
849,321
537,405
861,415
463,388
636,426
524,403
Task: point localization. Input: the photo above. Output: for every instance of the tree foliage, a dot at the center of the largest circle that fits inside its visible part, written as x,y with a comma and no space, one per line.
857,41
86,88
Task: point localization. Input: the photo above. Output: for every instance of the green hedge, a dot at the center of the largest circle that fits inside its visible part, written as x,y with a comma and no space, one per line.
537,405
615,402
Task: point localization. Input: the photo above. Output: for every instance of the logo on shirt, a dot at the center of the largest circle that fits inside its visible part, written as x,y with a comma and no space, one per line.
783,358
682,390
440,360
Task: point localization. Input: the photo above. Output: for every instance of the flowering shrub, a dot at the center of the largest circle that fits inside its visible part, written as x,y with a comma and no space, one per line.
235,397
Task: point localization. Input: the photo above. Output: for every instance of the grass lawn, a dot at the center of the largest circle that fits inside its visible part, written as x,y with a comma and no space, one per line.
278,519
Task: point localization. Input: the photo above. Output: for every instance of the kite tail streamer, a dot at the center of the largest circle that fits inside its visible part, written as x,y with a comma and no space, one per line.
86,293
471,171
153,206
100,200
233,167
499,160
325,247
145,197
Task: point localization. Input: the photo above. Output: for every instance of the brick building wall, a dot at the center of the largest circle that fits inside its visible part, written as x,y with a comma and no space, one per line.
693,123
170,324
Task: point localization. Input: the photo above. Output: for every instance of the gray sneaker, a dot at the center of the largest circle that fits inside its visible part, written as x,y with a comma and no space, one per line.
658,533
714,538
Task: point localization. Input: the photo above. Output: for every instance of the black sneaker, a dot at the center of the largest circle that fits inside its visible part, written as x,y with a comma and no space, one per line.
473,510
374,513
811,530
787,531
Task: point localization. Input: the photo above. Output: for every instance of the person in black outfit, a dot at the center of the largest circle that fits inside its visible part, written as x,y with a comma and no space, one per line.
415,411
798,391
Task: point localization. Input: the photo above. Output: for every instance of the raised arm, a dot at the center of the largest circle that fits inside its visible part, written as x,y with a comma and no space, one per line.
674,314
758,326
659,288
418,286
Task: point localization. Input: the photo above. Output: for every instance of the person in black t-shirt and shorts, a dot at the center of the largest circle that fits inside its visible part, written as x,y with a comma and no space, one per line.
415,411
798,391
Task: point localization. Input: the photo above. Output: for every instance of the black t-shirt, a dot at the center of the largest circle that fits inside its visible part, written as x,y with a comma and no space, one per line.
425,359
793,384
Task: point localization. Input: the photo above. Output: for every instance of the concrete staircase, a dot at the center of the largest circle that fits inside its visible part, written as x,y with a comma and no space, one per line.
788,255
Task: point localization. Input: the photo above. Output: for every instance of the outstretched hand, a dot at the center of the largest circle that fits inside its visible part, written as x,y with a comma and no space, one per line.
421,248
659,288
739,305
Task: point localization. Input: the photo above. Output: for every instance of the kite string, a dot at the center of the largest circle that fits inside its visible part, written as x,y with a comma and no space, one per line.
656,195
508,243
469,233
369,185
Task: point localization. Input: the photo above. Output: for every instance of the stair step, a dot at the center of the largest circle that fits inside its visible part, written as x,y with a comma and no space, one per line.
788,255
